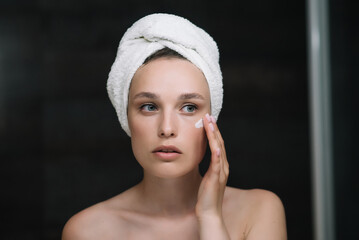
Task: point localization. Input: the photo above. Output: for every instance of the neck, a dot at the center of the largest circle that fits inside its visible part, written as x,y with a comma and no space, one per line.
165,196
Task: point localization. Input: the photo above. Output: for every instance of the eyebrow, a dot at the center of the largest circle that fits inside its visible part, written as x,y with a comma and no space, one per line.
145,95
184,96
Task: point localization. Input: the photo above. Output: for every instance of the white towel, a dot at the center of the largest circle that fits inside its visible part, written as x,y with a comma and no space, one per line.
152,33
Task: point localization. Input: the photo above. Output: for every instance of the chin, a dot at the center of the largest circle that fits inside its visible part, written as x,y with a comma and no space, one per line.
171,170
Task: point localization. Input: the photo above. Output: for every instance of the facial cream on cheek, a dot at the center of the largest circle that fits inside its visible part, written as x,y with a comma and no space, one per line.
199,123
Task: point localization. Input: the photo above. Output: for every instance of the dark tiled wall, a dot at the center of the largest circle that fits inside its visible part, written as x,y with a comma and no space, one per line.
62,148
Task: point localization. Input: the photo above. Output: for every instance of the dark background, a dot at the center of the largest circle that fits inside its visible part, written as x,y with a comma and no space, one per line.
62,148
345,97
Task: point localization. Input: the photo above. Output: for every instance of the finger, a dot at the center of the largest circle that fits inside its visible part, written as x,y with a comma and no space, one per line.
215,167
224,172
221,142
218,134
216,142
211,136
222,175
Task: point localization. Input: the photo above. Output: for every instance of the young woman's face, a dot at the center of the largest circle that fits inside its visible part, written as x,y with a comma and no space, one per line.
166,98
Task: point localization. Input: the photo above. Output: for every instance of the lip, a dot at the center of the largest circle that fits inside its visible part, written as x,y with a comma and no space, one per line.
175,152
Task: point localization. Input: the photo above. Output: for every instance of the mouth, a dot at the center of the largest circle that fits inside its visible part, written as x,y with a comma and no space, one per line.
167,152
167,149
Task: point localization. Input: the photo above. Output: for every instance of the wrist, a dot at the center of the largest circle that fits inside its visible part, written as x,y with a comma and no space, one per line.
212,227
210,218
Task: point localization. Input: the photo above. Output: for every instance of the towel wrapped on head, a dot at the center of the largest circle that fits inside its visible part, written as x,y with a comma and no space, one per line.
155,32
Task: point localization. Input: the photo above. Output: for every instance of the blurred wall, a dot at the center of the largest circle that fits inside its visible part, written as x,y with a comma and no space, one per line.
62,148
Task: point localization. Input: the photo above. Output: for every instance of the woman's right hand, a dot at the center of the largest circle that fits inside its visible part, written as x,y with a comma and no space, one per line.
212,187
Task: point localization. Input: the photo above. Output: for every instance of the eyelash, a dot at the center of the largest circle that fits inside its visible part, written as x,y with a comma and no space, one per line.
191,105
147,104
154,105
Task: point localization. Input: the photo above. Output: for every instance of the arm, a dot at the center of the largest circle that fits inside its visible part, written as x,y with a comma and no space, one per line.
211,190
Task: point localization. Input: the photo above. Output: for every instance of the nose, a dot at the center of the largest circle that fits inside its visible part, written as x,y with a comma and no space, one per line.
167,127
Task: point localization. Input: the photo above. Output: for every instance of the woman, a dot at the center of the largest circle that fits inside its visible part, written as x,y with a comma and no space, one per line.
166,87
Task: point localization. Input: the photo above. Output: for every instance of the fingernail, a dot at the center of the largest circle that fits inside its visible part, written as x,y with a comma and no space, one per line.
211,126
208,117
218,152
213,119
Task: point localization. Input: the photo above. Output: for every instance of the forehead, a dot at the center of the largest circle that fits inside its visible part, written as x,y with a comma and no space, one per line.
169,76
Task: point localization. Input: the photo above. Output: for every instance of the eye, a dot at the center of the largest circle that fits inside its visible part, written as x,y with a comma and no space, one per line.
148,107
190,108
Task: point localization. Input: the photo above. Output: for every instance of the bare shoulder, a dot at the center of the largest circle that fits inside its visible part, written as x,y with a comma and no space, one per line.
262,212
101,221
87,224
253,199
77,227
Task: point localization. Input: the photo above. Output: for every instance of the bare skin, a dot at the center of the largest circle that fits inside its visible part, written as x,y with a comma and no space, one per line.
173,201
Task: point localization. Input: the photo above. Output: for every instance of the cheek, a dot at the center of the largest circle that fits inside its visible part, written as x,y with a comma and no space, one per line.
139,126
140,135
196,141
